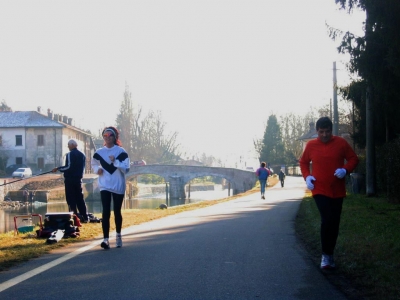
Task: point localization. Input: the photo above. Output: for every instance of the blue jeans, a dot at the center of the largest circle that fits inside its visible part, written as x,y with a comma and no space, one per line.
263,182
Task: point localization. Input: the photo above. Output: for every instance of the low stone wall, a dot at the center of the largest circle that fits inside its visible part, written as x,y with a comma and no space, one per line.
160,189
90,190
13,191
199,188
5,189
57,195
40,196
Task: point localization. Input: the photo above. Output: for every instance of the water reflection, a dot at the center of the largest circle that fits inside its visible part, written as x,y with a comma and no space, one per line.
144,202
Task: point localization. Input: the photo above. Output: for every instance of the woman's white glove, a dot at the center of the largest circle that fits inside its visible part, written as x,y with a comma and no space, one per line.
309,182
340,173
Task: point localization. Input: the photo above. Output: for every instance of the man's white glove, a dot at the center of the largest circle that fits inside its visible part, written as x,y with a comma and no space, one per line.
309,182
340,173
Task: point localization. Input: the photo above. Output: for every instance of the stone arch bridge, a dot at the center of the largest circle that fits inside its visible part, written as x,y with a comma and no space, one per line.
179,175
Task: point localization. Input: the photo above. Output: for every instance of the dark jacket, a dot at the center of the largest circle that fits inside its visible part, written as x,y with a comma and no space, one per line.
74,165
262,173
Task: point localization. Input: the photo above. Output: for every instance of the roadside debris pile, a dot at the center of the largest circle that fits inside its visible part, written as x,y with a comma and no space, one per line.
58,226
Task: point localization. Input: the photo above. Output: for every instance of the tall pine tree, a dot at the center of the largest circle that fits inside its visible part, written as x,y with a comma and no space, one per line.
272,151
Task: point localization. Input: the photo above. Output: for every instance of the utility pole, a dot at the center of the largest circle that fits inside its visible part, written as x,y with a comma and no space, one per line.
370,145
370,142
335,105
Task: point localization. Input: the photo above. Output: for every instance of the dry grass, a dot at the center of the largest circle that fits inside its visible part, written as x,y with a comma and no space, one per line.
18,248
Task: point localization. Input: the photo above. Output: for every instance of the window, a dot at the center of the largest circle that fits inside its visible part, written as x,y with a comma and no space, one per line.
18,140
18,160
40,141
40,163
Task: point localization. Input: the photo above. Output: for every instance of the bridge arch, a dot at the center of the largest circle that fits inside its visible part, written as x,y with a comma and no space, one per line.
179,175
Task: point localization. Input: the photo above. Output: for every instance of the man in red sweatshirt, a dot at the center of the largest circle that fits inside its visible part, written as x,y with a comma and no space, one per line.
330,158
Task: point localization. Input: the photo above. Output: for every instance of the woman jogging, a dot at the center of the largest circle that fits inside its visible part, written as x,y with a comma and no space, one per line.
111,163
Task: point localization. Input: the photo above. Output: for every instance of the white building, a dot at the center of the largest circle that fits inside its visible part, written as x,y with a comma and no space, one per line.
40,141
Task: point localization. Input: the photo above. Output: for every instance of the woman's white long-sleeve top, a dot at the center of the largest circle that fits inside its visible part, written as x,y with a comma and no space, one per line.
113,177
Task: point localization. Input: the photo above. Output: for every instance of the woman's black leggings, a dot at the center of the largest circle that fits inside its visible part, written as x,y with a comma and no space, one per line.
330,210
106,202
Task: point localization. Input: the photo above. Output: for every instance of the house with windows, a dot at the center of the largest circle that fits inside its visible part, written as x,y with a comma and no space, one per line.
40,140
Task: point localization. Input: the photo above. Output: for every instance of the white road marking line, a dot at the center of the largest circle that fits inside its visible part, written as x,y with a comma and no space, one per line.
9,283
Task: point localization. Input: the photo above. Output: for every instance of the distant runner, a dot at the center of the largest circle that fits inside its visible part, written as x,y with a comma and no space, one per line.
262,174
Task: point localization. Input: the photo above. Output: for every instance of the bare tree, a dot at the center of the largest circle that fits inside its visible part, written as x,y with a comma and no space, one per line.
4,106
293,127
125,121
4,155
151,141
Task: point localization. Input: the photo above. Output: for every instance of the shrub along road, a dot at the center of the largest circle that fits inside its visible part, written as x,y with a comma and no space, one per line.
240,249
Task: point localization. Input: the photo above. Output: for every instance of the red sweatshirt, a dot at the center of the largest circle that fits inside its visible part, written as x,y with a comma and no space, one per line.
325,158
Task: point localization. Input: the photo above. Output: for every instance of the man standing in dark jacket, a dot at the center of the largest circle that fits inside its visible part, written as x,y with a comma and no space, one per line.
73,172
282,176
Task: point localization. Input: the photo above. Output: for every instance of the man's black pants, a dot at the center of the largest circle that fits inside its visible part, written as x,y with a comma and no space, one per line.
330,210
74,195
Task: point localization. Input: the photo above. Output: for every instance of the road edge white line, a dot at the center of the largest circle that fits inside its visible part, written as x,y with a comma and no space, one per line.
11,282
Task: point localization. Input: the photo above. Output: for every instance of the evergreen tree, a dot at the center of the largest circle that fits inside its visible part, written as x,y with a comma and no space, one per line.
272,151
374,60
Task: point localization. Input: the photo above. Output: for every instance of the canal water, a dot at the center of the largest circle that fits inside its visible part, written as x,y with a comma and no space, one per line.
149,201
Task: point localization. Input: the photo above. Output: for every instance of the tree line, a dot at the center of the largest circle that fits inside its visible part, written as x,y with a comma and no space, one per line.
375,90
281,143
373,93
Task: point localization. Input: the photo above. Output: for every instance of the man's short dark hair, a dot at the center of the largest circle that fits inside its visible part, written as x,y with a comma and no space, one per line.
324,123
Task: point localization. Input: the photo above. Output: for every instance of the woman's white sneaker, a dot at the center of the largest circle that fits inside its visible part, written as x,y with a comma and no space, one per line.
118,240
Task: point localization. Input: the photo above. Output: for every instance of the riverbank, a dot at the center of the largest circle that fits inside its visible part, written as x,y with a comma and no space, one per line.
15,249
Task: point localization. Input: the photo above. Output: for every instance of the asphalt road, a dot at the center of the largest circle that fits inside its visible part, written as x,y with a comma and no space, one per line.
242,249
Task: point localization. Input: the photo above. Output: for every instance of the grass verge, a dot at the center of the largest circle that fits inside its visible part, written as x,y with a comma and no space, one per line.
368,248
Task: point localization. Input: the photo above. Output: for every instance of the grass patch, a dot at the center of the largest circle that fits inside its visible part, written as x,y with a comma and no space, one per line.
368,248
15,249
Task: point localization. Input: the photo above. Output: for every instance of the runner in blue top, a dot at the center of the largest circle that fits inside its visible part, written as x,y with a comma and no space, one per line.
262,173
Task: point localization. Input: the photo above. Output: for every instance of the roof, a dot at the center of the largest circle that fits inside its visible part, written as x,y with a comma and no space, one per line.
311,134
24,119
15,119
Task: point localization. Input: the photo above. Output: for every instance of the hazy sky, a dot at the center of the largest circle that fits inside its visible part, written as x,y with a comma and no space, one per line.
215,69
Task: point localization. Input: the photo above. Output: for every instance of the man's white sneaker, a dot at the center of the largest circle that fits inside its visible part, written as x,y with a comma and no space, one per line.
327,262
118,240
